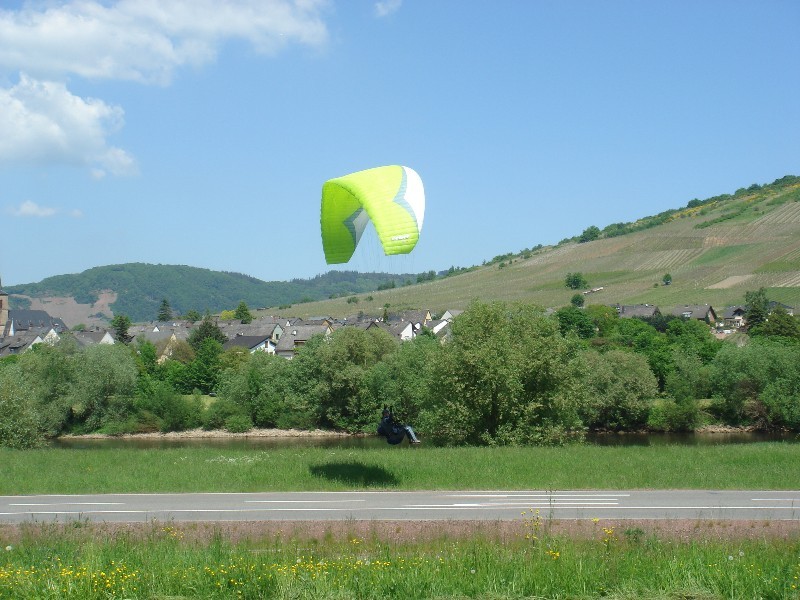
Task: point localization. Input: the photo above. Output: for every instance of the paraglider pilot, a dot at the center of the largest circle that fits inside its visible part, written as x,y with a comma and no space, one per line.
394,431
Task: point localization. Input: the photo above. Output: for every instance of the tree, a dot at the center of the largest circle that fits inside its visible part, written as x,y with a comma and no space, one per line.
121,323
573,319
779,324
193,316
164,311
667,279
620,384
19,423
104,386
206,329
505,377
260,386
577,300
204,371
243,313
757,308
575,281
343,361
605,318
589,234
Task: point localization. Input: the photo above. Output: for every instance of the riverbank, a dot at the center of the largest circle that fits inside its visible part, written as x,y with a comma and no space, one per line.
215,433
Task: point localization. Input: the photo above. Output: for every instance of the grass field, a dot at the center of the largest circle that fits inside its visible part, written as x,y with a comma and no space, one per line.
761,466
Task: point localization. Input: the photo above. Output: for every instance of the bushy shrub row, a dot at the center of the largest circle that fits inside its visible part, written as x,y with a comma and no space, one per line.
507,374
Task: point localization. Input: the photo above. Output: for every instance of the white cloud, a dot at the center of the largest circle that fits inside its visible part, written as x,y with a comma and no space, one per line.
42,122
47,43
31,209
146,40
384,8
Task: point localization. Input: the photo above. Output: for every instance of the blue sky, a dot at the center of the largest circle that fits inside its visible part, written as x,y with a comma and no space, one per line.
200,132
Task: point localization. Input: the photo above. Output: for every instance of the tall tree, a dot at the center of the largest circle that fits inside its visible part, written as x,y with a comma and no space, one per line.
206,329
779,324
757,307
193,316
243,313
575,281
589,234
121,323
165,311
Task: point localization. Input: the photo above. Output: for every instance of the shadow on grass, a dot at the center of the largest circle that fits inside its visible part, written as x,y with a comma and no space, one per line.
354,473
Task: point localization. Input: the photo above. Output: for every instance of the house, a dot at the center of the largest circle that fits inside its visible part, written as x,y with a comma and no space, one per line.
403,330
21,320
90,338
438,326
296,335
451,314
701,312
164,339
253,343
19,343
773,305
734,316
416,317
258,327
641,311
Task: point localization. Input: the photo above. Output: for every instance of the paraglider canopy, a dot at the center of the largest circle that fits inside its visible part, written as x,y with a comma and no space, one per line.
392,197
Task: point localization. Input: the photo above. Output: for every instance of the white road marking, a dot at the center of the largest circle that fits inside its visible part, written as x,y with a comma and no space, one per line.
301,501
520,504
67,504
775,500
578,495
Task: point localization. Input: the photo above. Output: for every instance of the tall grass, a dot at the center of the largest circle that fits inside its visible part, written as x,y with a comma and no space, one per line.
88,563
773,465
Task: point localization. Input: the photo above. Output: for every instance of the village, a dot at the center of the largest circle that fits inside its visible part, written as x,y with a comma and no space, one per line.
21,329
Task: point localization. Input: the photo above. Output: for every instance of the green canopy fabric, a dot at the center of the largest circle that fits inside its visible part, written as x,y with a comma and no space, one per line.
392,197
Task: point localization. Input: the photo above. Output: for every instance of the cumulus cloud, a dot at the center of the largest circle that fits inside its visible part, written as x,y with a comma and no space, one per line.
42,122
384,8
31,209
145,41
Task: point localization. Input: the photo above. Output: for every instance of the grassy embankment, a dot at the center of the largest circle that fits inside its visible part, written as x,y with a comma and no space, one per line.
87,562
737,466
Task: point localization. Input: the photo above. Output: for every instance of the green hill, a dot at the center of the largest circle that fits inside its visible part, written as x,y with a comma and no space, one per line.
137,289
714,249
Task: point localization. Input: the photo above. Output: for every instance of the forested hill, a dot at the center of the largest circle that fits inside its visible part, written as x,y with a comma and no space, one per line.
140,288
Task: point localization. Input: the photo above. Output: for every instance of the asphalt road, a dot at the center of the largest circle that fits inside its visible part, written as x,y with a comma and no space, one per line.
417,506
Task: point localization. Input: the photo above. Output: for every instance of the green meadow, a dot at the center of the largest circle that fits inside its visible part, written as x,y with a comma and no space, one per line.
773,465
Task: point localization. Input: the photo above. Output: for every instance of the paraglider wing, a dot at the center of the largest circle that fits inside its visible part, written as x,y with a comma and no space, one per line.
392,197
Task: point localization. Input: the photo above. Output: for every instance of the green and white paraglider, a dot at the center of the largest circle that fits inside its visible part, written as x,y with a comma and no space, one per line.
392,197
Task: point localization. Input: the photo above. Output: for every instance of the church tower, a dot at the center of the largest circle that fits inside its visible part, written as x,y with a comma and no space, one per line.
3,309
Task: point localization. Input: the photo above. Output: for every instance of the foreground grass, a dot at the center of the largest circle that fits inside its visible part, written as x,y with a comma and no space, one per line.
773,465
85,561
